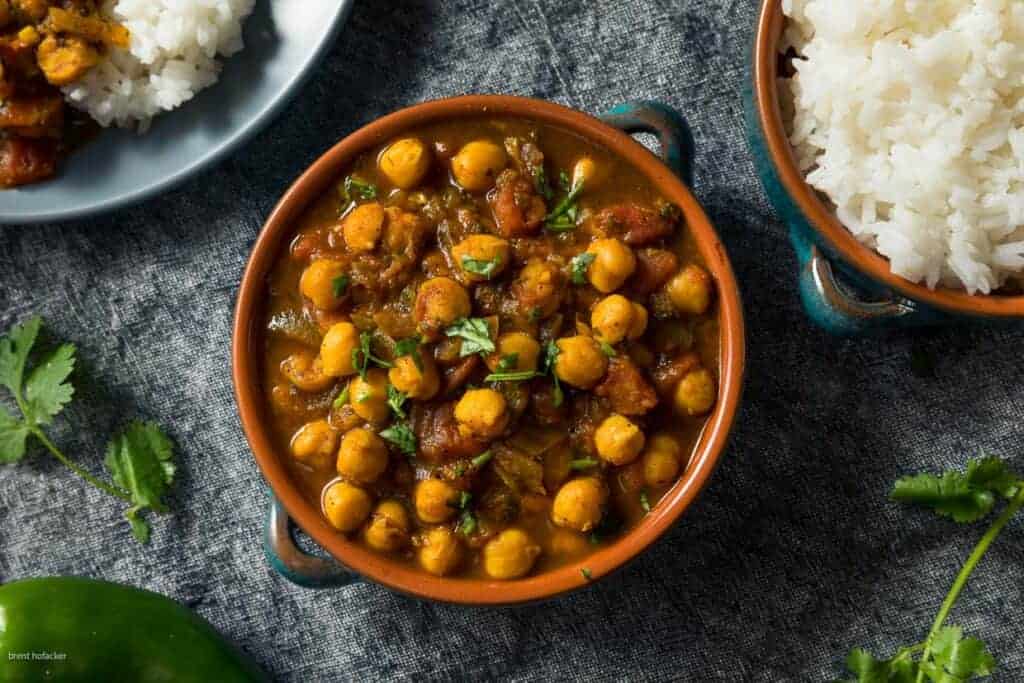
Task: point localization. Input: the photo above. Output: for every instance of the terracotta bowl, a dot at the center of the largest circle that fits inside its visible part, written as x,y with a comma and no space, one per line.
821,241
246,352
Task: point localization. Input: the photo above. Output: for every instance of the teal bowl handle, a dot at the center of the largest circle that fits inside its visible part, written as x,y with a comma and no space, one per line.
664,123
294,564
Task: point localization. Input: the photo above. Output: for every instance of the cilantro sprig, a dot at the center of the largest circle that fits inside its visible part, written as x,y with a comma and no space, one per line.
475,335
485,268
362,356
354,187
402,436
946,655
564,216
140,458
396,399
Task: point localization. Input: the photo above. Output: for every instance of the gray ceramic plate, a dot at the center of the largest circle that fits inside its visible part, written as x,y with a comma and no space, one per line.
284,40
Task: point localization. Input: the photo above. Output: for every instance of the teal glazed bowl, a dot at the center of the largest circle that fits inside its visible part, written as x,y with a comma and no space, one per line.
846,288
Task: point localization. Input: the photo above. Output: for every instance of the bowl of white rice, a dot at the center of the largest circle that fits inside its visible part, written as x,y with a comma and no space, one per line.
198,79
889,134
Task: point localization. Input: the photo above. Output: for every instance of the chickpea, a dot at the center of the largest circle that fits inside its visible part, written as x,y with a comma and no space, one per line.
510,554
580,361
525,348
639,325
695,394
405,162
306,371
567,543
336,349
388,529
612,318
613,263
363,226
538,287
579,504
314,444
317,283
441,552
346,506
477,164
618,440
482,248
482,412
418,382
369,397
661,460
435,500
690,290
440,301
588,172
363,456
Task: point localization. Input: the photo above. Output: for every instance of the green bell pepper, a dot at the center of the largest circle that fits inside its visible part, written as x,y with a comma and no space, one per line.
74,629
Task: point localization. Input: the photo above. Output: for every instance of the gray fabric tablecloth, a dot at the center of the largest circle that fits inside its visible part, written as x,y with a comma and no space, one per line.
792,556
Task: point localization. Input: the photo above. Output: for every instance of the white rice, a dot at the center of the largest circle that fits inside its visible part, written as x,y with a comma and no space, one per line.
908,115
173,55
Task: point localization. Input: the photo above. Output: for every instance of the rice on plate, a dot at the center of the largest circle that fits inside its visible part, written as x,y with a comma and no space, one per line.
172,56
908,116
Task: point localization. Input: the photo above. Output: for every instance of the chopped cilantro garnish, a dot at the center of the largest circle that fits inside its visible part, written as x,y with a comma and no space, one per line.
396,399
402,436
342,398
410,347
467,523
579,264
585,571
475,335
510,376
540,183
551,352
339,286
644,502
363,356
482,459
565,214
482,267
354,187
608,350
507,362
582,464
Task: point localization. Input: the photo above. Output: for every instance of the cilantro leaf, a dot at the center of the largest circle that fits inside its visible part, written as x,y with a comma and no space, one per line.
467,523
507,362
957,657
582,464
899,669
482,459
395,400
645,502
140,460
565,214
482,267
363,355
521,376
342,399
963,496
551,352
402,436
585,572
579,266
47,391
608,350
339,285
14,351
353,187
13,434
475,334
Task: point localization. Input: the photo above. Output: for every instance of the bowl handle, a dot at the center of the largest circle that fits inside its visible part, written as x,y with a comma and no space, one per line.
294,564
666,124
839,308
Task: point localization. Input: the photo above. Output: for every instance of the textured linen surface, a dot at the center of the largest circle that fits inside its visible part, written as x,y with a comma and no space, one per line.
791,557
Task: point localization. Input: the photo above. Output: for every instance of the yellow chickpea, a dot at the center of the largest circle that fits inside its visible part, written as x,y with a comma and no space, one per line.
567,543
510,554
661,460
579,504
369,397
317,283
405,162
315,444
441,552
346,506
440,301
480,251
336,349
477,164
418,382
695,394
639,324
612,318
363,226
588,172
538,287
690,290
306,371
613,263
482,412
388,529
525,348
580,362
618,440
362,457
435,500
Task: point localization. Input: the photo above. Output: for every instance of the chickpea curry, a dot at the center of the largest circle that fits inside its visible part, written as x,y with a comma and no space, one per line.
45,45
491,349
